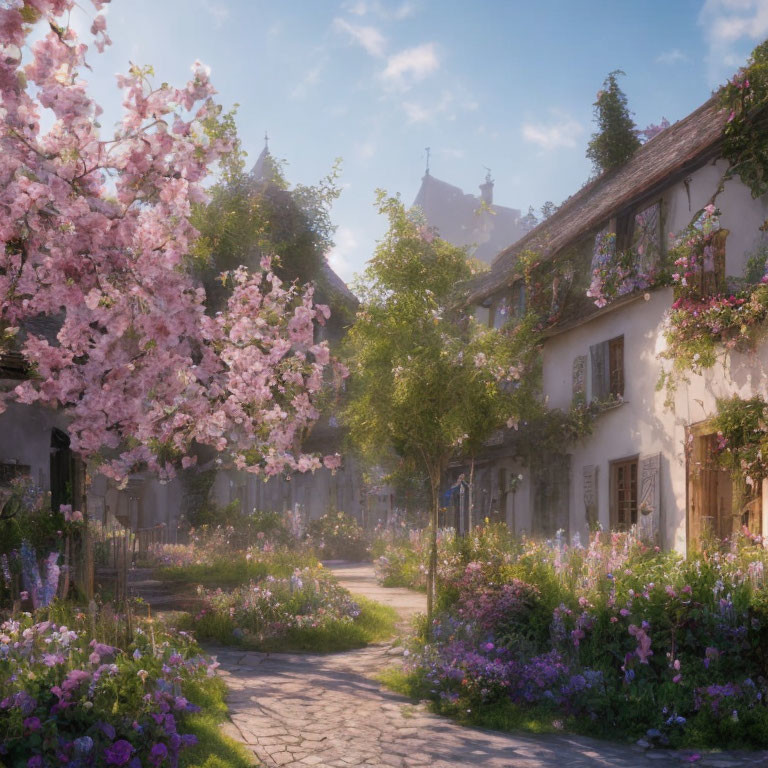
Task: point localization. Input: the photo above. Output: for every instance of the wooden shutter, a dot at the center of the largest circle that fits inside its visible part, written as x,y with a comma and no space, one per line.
649,498
589,475
598,354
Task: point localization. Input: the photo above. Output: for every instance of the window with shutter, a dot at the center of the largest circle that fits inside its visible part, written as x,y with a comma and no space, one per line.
598,354
623,494
649,498
518,299
607,363
616,367
646,237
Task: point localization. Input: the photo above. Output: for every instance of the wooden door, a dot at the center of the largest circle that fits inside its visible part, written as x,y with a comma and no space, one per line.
710,493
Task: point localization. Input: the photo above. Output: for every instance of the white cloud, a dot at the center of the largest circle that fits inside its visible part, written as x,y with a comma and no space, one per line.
732,28
447,107
671,57
416,113
365,150
219,11
411,65
310,78
564,131
368,37
339,256
382,10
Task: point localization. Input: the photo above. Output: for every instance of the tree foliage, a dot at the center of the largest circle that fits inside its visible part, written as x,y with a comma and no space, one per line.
615,140
95,235
425,381
246,219
744,145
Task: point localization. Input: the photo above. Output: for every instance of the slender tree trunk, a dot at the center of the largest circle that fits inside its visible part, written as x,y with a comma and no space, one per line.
471,495
432,571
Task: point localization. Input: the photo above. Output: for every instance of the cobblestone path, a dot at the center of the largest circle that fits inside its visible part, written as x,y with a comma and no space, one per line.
300,710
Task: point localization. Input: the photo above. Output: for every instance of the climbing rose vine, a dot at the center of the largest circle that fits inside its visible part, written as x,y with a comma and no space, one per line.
95,233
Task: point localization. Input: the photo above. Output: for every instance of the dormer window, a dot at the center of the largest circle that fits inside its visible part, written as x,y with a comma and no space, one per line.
640,233
508,306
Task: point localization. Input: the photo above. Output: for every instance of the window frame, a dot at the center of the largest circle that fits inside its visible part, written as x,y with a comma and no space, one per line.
616,367
630,463
611,384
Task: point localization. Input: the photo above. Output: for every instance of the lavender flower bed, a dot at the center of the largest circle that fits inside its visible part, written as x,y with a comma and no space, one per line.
617,639
69,700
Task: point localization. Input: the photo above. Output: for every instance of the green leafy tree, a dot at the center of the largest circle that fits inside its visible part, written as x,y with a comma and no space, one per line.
424,381
616,138
547,210
246,218
745,96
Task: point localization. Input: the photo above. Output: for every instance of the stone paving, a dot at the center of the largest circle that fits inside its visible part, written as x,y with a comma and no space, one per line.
300,710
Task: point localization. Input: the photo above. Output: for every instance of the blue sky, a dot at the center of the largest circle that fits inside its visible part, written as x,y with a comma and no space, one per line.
497,83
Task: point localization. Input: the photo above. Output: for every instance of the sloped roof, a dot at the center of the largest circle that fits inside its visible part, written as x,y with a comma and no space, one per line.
678,149
338,287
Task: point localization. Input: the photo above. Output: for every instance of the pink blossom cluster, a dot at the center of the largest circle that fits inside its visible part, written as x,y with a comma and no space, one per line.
95,233
694,248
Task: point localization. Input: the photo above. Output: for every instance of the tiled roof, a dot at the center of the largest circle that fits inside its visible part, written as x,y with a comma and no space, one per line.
679,148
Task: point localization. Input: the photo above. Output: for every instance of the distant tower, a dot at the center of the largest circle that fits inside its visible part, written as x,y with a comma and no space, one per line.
486,189
264,169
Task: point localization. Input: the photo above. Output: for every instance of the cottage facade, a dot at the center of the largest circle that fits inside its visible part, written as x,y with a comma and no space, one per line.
645,463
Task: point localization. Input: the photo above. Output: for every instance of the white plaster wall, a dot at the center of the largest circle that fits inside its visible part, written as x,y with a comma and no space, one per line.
25,438
740,213
642,424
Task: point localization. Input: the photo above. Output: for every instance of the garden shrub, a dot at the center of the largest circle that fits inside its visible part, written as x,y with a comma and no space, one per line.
308,610
616,639
68,698
338,536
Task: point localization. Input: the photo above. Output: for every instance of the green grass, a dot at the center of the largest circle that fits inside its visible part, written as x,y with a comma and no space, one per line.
375,623
214,748
235,570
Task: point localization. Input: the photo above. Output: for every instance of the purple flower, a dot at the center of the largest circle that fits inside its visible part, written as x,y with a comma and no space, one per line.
158,753
119,753
74,678
35,762
32,724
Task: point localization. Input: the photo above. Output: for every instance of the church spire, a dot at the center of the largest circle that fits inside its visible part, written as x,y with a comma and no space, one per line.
264,169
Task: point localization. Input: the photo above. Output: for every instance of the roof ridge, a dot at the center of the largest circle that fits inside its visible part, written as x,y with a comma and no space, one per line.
683,143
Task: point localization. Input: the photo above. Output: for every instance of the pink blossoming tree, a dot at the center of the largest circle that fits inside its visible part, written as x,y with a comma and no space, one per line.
95,235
